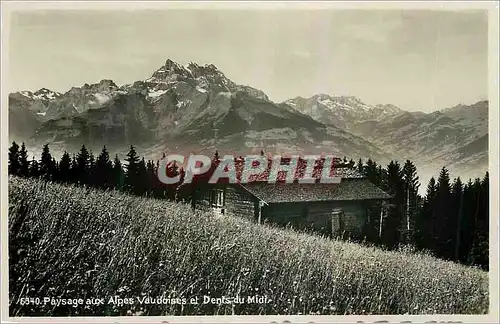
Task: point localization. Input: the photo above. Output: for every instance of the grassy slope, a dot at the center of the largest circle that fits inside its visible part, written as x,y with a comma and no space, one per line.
72,242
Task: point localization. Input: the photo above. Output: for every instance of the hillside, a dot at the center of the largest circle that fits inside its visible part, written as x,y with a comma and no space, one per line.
89,243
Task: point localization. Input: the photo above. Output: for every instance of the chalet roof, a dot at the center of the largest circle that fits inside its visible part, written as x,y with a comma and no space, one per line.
347,189
343,172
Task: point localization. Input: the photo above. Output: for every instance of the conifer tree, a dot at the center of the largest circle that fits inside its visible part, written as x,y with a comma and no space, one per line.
411,186
132,173
468,223
91,171
142,185
360,166
423,224
24,164
55,169
73,174
118,173
34,169
151,178
46,163
370,171
394,185
457,197
14,159
103,170
65,168
478,254
380,176
82,170
484,217
443,232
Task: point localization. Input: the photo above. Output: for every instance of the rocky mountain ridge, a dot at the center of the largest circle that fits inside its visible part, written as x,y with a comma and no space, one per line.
193,107
196,108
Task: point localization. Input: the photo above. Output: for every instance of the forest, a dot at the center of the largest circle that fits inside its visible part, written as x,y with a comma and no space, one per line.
450,221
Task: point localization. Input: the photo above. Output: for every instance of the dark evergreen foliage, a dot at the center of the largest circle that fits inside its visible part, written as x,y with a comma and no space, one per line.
24,164
14,165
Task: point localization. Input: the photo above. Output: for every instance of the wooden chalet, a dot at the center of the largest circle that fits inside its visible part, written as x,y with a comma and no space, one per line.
353,208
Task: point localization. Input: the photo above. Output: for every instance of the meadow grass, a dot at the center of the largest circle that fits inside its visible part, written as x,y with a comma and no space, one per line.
69,242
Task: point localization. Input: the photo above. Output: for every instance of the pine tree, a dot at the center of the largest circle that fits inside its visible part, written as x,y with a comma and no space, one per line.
360,166
73,174
394,185
143,185
381,176
103,170
371,172
24,164
424,237
443,232
131,176
468,224
91,171
55,169
411,186
34,170
484,217
14,159
480,249
457,197
118,173
65,168
82,170
46,163
151,178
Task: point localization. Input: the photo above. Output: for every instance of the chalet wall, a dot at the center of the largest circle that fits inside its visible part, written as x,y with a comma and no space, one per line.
317,216
285,214
355,217
202,201
313,216
240,203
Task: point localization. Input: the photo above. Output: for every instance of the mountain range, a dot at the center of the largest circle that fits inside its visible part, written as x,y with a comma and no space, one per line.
196,108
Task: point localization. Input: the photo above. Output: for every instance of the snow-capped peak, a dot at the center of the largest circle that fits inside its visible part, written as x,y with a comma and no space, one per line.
41,94
333,109
341,102
388,108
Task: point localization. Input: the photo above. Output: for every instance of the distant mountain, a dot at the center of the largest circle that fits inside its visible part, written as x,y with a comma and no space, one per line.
343,112
456,137
196,108
191,108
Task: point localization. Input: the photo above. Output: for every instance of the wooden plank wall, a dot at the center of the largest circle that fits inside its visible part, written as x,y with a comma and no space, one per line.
202,201
285,214
240,203
317,216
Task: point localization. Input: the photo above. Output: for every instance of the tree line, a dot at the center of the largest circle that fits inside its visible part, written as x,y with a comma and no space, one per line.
137,176
450,220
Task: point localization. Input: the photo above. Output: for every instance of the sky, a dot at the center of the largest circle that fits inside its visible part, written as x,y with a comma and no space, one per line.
414,59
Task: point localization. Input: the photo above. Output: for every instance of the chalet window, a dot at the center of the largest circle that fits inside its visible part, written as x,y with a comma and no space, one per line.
217,198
